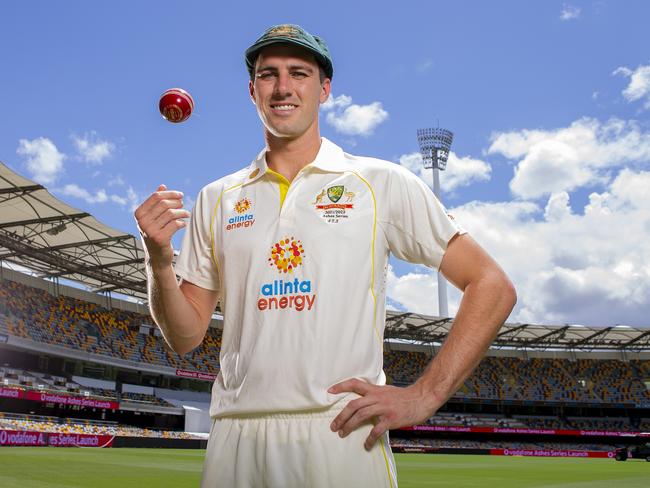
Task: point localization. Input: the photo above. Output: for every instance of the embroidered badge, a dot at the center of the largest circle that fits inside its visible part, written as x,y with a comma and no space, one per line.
340,202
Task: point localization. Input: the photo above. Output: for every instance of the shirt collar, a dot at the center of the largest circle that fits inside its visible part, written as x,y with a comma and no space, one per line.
330,158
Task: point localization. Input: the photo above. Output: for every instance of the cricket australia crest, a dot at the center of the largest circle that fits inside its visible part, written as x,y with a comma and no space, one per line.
334,193
333,211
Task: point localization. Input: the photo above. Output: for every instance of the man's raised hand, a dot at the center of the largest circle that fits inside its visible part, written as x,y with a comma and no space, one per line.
158,219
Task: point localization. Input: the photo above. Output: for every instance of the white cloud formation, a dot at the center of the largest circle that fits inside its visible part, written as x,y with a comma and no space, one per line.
569,12
133,198
352,119
333,102
43,159
120,200
460,171
588,268
416,292
639,87
74,190
581,155
100,196
91,149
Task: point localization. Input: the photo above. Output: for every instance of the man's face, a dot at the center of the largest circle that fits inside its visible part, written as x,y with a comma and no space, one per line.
287,91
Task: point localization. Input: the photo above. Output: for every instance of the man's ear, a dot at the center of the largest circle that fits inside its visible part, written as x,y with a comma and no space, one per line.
251,91
325,90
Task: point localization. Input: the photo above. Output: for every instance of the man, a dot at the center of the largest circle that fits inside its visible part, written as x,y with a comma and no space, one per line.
295,246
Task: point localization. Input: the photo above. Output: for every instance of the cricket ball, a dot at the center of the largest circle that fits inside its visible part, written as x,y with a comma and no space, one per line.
176,105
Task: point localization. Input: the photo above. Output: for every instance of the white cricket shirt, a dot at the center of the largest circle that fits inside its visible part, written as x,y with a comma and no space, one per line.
301,272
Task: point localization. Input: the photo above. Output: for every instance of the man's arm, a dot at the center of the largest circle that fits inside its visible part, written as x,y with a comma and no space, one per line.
182,312
488,299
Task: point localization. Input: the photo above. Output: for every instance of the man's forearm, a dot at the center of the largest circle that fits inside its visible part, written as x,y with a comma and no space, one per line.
178,320
485,306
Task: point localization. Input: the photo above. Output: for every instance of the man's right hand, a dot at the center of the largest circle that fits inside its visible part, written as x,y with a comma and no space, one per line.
158,219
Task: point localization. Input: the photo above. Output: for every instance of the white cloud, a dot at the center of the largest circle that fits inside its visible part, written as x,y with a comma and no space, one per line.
116,180
416,292
74,190
557,207
564,159
43,159
333,102
639,87
352,119
134,199
100,195
120,200
589,268
569,12
91,149
460,171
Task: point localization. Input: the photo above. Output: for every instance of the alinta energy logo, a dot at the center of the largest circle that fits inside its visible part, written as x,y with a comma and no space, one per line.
242,219
286,256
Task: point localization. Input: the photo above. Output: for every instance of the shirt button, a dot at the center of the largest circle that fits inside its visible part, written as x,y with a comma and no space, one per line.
254,173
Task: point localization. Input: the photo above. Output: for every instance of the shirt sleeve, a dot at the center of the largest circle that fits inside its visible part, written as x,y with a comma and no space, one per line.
418,227
196,263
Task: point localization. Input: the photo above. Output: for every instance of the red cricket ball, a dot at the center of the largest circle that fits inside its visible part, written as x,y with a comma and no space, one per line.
176,105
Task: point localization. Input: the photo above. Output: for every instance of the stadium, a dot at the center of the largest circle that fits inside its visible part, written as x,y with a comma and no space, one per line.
82,364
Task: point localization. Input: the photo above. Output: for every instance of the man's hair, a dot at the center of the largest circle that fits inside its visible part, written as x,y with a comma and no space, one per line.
321,73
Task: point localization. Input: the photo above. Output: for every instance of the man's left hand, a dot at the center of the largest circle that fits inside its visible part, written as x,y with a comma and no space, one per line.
392,406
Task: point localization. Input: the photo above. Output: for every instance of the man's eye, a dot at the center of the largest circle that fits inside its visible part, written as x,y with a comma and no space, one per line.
265,76
298,74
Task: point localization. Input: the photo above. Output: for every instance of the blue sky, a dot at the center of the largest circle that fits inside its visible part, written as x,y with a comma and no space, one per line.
549,102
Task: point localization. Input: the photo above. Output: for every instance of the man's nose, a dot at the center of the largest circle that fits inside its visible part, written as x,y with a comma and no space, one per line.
283,85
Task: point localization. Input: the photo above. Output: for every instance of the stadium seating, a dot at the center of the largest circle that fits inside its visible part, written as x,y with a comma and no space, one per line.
34,314
542,379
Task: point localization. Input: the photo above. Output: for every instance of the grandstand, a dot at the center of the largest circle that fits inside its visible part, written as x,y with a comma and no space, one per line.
79,354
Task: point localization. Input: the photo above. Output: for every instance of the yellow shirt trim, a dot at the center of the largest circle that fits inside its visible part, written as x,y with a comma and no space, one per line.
372,254
383,451
284,185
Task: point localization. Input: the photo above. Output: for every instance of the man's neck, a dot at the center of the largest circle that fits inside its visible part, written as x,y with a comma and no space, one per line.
289,156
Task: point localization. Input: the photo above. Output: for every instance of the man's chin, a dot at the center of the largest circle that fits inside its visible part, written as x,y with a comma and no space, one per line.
284,133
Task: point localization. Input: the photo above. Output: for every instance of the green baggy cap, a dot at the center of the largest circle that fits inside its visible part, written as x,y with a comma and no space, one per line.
291,34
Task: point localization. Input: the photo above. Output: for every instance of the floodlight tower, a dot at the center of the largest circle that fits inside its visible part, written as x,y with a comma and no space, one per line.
434,146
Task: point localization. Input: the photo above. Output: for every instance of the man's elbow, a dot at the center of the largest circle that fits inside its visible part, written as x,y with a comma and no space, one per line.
183,348
180,345
507,291
180,350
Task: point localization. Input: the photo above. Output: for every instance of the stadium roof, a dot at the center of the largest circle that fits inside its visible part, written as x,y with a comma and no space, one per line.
433,330
42,233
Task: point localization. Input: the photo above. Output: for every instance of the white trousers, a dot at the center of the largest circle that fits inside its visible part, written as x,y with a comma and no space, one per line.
287,450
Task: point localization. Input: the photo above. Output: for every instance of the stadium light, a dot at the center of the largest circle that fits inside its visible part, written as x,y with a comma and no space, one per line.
435,144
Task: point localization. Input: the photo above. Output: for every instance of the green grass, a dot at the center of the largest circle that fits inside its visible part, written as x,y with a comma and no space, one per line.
34,467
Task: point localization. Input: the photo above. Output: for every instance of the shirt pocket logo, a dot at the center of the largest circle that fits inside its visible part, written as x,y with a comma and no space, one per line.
244,216
338,204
